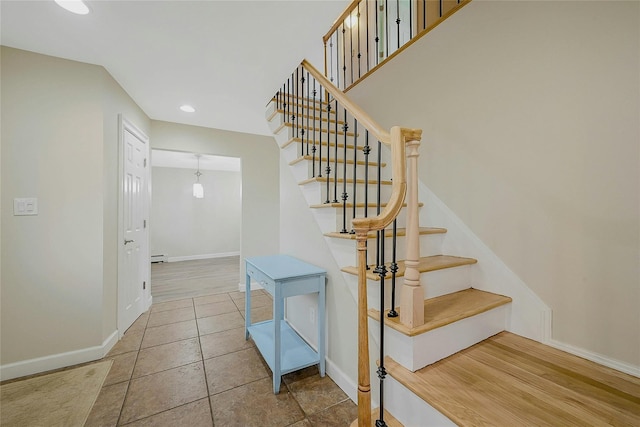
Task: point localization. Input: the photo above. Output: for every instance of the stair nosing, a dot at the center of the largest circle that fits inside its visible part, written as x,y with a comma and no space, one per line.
494,301
461,261
388,233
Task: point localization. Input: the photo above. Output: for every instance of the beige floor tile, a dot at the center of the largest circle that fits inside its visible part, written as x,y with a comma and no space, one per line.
208,299
224,342
159,318
260,314
122,368
140,323
167,356
215,308
342,414
130,342
266,409
169,333
162,391
195,414
256,301
303,423
172,305
222,322
234,369
316,393
240,295
106,410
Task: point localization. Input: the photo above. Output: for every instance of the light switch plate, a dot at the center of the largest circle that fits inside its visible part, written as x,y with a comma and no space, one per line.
25,206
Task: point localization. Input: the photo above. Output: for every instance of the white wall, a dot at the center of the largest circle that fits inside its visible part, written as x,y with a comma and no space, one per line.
183,226
260,178
530,112
59,144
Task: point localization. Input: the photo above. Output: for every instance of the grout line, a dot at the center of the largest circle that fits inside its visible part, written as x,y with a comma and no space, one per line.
204,369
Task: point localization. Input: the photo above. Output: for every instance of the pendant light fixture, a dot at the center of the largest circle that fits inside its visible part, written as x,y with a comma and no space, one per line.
198,190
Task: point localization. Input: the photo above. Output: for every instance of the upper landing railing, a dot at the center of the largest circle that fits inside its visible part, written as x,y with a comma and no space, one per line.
371,32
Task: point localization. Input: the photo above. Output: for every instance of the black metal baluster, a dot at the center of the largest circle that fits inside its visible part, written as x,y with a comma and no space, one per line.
328,169
394,270
398,20
441,8
331,57
377,39
337,61
313,149
381,270
320,134
345,196
287,112
344,59
424,14
355,169
351,47
366,150
335,159
386,27
366,14
359,54
302,113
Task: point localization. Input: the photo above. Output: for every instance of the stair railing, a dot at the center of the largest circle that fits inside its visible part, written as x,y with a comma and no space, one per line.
375,31
324,141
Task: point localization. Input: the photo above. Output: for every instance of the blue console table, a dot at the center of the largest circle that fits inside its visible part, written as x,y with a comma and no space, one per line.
283,349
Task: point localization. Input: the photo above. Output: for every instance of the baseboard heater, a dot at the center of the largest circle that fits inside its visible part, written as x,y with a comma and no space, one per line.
159,258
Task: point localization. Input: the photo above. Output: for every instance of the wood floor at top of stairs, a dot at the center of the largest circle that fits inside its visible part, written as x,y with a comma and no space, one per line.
508,380
446,309
426,264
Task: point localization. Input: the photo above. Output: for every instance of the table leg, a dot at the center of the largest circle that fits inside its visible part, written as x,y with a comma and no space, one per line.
321,325
247,307
278,312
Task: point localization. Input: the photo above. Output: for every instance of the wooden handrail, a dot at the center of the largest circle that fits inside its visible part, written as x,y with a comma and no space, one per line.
357,112
340,20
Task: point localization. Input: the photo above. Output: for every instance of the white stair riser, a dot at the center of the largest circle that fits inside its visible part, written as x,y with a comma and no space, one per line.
409,409
419,351
313,121
346,254
305,169
434,283
322,188
440,282
290,132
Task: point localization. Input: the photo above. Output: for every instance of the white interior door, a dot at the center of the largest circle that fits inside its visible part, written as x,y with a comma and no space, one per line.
133,280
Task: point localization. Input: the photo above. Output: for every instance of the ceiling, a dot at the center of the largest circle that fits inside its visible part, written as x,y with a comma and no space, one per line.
226,58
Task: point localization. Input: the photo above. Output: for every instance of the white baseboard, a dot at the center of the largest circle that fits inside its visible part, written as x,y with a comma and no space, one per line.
56,361
596,357
254,286
202,256
341,379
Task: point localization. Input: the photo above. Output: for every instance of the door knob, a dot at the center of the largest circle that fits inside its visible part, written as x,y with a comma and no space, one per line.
128,241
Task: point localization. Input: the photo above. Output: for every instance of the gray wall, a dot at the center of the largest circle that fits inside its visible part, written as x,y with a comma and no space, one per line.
183,226
59,144
260,177
530,117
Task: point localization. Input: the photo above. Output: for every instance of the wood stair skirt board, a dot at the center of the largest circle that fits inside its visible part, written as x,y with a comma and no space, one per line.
508,380
453,322
426,264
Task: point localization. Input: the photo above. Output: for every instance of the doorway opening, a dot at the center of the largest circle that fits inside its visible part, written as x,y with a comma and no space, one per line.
195,231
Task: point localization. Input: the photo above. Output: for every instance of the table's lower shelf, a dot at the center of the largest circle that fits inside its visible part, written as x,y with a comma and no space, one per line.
295,352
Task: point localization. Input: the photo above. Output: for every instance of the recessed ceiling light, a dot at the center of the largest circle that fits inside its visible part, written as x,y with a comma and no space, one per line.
74,6
187,108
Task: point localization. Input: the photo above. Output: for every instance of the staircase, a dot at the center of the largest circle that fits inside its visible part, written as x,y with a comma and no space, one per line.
332,149
325,149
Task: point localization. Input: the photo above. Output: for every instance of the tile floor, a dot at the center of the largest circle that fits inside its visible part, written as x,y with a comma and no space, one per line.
186,363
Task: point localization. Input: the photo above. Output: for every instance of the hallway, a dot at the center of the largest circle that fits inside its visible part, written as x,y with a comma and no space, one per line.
186,362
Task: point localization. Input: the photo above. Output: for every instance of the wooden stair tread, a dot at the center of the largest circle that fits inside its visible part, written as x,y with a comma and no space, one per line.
324,143
387,232
338,205
310,129
340,180
324,159
389,420
508,380
310,116
426,264
446,309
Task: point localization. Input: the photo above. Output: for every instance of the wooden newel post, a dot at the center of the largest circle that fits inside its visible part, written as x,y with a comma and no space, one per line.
364,385
412,295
